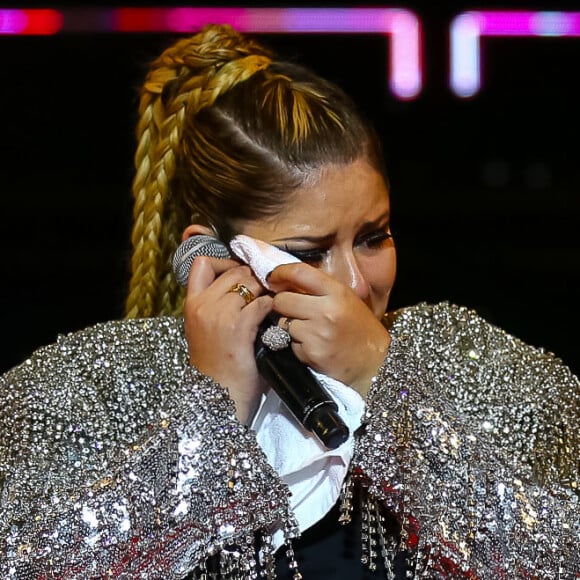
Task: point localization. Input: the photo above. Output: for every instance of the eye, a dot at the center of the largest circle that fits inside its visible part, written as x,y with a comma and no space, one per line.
312,256
374,240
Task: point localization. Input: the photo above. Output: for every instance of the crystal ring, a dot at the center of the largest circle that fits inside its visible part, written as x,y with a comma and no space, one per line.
243,291
276,338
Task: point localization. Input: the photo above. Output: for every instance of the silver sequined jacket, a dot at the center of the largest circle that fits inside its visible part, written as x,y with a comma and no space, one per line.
117,460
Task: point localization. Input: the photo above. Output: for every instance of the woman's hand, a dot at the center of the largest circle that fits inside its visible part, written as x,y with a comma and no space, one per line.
221,328
332,329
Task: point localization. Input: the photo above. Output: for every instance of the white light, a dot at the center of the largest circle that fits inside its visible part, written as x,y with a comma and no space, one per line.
465,67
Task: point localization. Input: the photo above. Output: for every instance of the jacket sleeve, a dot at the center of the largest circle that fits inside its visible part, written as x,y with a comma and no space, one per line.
471,441
119,460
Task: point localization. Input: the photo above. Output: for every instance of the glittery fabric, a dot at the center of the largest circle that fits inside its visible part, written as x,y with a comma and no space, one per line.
117,460
472,441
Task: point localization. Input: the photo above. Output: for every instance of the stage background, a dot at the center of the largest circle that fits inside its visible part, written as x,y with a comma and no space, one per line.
485,191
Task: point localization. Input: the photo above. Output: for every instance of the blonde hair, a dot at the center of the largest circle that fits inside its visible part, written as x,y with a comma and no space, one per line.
226,133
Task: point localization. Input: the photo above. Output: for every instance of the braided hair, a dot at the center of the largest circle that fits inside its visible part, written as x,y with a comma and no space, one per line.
225,134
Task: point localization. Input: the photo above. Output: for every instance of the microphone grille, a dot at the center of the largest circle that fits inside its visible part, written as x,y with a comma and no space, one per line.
193,247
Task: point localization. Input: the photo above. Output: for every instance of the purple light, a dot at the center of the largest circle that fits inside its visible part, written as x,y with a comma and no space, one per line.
505,23
31,22
13,21
401,26
469,28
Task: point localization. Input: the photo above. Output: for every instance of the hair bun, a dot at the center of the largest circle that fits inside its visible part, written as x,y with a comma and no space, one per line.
216,45
199,68
205,52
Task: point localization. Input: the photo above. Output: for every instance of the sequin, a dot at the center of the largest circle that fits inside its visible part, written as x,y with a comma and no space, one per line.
122,461
117,460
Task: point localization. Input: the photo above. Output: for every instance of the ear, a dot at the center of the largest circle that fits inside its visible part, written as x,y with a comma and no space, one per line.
196,230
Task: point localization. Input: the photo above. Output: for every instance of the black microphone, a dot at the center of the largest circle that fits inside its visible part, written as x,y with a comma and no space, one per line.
296,386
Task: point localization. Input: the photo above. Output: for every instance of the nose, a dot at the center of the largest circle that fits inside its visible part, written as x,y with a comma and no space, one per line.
348,272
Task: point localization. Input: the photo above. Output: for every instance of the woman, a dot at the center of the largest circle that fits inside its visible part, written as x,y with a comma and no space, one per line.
150,447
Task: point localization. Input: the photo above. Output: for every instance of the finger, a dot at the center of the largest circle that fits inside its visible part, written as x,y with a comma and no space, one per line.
240,275
300,278
254,313
294,327
247,288
205,270
299,306
204,276
301,355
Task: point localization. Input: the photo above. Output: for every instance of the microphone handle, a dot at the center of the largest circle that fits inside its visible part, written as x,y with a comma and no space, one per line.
300,391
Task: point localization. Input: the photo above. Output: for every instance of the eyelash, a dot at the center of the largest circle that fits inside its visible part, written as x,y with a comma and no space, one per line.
374,240
314,256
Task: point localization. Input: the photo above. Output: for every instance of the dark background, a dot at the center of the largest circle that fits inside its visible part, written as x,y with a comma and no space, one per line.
485,191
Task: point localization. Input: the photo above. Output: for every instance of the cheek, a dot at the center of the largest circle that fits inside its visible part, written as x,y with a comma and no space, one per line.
382,272
381,278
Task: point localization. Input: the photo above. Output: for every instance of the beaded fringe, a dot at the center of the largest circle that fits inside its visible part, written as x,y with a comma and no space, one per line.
377,537
254,559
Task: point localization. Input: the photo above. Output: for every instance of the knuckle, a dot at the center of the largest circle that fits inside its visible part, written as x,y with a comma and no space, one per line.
326,334
264,303
299,271
244,270
278,301
201,263
331,316
293,271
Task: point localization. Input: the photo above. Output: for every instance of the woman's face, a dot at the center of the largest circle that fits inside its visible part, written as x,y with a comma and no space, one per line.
340,225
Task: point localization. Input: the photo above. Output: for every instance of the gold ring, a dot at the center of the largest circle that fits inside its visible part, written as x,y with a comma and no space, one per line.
285,325
243,291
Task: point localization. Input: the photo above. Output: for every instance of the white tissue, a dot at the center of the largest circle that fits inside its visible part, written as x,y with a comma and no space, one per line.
260,256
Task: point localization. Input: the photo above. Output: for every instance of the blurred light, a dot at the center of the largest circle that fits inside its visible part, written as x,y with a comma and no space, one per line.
465,60
30,22
469,28
402,27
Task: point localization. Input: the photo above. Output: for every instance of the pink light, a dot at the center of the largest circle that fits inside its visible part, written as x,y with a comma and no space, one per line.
401,26
469,28
30,22
505,23
530,23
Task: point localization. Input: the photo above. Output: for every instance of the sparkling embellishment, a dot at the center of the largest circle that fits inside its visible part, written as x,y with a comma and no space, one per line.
478,457
128,463
276,338
118,460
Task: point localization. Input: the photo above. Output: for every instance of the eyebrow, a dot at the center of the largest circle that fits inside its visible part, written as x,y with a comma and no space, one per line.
328,237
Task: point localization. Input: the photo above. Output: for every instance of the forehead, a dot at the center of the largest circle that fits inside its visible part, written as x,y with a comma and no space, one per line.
342,196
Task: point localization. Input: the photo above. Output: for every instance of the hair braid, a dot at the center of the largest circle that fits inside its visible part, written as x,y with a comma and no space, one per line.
227,135
185,79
